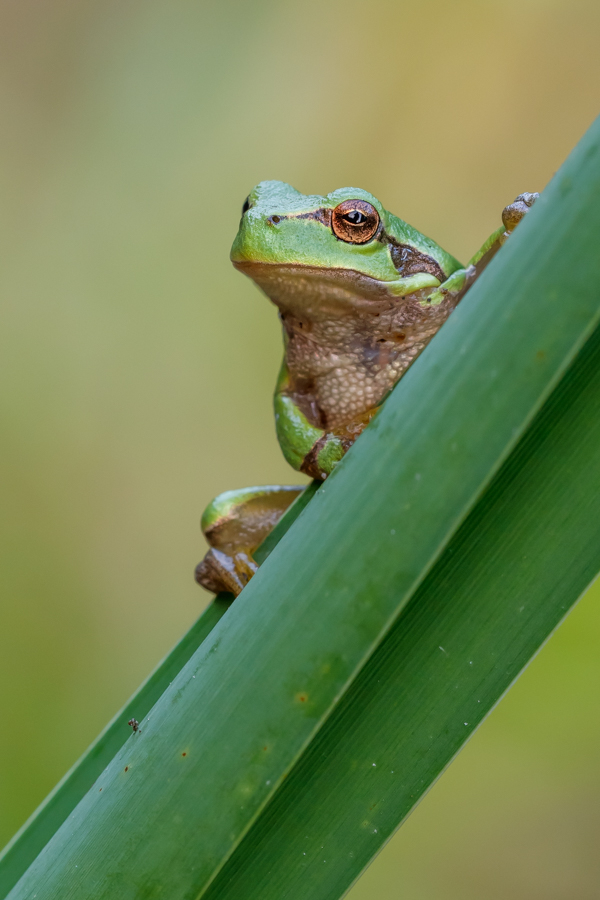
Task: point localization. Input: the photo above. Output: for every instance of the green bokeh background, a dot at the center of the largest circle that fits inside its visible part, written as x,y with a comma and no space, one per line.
137,366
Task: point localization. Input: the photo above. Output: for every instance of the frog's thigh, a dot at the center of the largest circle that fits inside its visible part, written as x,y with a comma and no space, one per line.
235,524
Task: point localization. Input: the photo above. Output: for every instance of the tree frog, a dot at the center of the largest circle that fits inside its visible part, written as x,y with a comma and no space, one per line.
360,294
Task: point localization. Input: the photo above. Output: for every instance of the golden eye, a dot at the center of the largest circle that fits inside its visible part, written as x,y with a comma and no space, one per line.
355,221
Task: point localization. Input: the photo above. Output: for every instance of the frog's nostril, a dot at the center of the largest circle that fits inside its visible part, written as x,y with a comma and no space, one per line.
273,220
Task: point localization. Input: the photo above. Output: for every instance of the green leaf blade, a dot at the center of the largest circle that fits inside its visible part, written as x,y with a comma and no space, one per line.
179,799
501,587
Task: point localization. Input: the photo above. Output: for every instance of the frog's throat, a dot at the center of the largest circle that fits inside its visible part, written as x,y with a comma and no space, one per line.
299,288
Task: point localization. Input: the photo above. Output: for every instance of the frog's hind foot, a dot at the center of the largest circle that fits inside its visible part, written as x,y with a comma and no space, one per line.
235,524
220,572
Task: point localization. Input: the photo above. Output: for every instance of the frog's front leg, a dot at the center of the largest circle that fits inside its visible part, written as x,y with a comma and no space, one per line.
307,448
235,524
511,216
460,281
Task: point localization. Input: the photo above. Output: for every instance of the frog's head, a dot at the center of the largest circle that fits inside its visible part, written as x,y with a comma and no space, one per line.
340,251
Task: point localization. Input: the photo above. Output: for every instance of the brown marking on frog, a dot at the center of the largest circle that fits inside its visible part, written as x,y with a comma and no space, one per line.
409,261
319,215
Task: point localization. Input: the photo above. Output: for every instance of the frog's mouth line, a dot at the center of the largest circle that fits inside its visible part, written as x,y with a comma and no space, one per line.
291,285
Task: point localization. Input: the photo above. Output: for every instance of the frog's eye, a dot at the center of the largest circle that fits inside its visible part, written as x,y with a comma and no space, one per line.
355,221
246,206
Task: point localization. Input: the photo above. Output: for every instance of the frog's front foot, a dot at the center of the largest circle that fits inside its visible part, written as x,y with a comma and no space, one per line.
511,216
514,212
235,524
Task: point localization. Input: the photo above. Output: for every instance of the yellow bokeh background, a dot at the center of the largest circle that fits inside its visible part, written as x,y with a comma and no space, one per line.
137,366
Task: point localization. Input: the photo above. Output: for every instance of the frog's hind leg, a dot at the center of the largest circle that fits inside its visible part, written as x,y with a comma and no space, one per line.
235,524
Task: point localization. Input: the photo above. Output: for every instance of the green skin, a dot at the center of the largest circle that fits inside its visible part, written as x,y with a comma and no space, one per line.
360,294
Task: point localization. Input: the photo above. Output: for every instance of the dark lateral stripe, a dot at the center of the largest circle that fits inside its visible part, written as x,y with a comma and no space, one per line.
320,215
410,261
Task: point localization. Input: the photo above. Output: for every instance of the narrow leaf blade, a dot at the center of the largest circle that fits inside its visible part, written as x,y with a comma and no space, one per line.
177,801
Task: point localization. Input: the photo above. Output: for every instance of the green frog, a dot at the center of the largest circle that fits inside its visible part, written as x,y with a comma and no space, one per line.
360,294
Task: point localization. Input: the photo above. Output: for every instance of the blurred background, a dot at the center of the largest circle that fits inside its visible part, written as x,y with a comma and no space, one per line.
138,367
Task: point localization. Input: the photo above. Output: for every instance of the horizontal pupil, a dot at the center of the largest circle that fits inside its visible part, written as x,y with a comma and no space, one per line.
355,217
